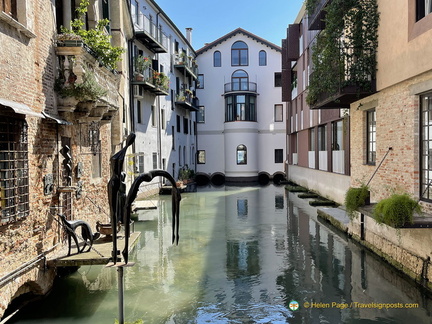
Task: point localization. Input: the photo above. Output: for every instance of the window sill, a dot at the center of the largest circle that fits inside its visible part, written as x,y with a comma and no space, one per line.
15,24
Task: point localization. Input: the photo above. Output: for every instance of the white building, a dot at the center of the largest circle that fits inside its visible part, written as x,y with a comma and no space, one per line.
241,120
164,93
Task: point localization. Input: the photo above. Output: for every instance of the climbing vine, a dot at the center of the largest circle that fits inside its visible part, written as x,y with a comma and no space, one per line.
344,53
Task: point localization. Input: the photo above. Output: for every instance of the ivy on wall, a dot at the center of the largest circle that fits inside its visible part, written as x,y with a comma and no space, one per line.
344,53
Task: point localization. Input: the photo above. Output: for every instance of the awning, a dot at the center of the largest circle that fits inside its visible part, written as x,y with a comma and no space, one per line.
56,119
20,108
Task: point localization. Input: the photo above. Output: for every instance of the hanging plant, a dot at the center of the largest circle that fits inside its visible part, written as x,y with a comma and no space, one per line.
344,53
355,198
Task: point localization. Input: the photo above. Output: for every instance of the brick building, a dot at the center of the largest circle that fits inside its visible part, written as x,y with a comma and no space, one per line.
398,115
38,129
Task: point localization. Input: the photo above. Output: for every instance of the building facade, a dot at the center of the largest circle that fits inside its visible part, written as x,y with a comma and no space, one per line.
55,141
164,96
317,138
241,129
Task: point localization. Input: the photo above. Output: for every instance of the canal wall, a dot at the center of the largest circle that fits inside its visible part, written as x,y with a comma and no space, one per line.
407,249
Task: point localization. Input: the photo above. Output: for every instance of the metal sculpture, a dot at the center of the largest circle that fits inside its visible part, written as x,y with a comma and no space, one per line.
176,197
70,226
117,192
120,204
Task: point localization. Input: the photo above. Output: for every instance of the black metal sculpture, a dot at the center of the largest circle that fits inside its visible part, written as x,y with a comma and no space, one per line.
176,197
117,192
120,204
70,226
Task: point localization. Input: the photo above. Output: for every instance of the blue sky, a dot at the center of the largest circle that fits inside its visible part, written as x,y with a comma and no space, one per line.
211,19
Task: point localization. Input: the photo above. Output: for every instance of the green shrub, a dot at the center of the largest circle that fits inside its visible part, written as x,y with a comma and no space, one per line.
397,210
355,198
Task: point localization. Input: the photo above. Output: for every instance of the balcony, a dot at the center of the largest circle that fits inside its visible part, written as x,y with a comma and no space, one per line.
85,90
344,96
241,87
187,100
150,35
316,19
152,81
186,65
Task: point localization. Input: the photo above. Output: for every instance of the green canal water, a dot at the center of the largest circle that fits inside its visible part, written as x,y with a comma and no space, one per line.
246,255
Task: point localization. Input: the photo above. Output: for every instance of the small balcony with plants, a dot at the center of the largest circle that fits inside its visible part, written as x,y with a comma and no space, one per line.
148,33
87,82
186,99
344,55
149,79
186,65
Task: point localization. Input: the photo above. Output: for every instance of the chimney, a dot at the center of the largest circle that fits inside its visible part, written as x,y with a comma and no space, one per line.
189,35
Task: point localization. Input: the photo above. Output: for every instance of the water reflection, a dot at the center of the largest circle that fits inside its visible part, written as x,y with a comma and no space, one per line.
244,255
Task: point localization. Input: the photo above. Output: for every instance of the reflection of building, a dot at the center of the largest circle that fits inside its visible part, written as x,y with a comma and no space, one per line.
164,97
240,121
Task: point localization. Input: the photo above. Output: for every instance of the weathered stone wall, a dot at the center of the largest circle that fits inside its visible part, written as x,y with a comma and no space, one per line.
27,75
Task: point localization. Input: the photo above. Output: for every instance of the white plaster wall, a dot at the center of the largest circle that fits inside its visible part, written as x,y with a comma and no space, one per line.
159,138
261,137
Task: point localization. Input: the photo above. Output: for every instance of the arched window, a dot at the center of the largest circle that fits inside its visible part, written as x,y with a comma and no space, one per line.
239,54
241,154
217,59
240,80
262,58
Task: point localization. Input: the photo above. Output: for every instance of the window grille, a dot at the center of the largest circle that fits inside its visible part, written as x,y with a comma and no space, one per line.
14,172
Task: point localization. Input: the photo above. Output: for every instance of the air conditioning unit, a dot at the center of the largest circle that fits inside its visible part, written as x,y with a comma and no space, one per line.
138,92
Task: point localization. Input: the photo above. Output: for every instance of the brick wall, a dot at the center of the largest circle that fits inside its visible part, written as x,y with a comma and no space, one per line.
28,67
397,126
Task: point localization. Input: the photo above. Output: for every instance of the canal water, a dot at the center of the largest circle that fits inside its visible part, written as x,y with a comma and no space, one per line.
246,255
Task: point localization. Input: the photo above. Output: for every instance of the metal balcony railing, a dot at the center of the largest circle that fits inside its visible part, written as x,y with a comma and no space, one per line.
188,63
240,87
147,30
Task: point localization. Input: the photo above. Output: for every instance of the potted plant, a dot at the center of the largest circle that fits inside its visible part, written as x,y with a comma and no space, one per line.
355,198
186,175
142,63
97,39
87,91
397,210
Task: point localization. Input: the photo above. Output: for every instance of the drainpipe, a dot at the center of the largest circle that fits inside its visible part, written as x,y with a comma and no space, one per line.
159,128
131,95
